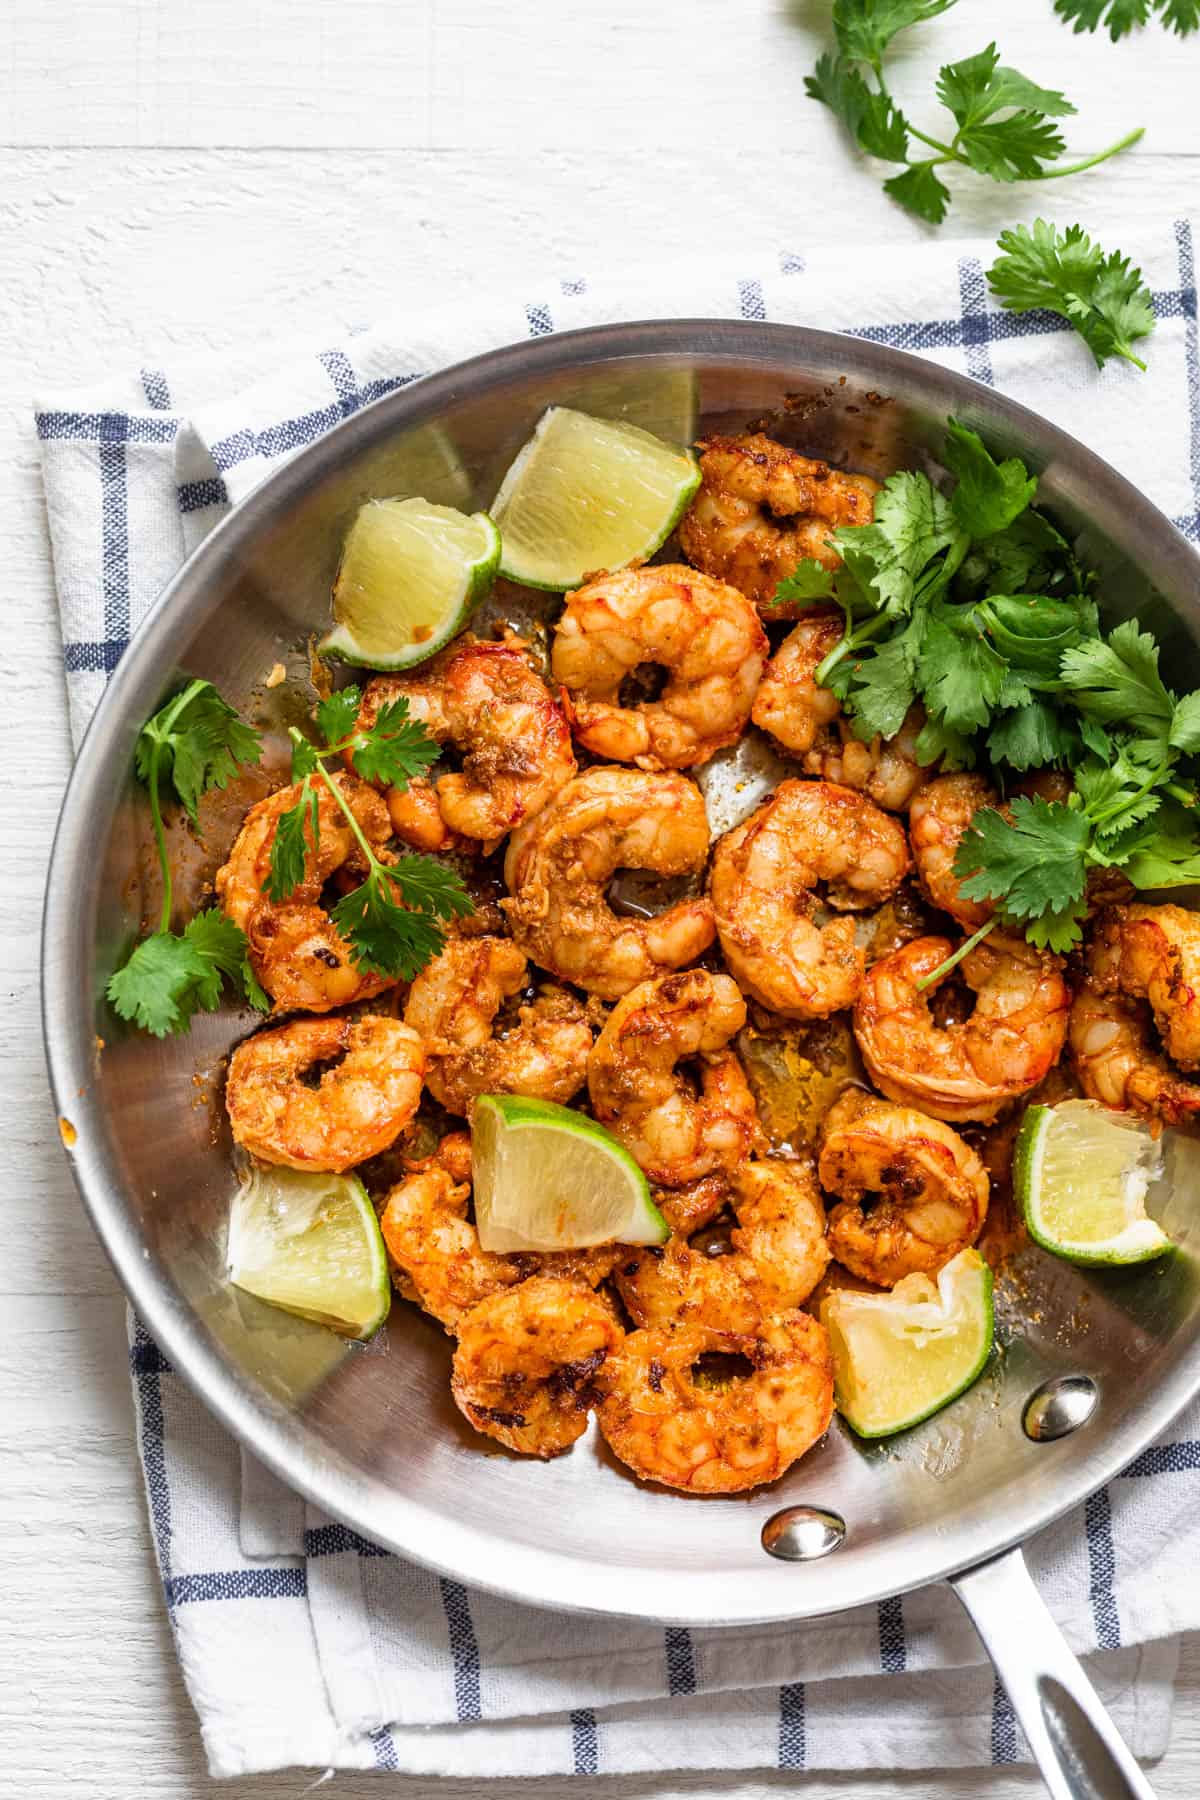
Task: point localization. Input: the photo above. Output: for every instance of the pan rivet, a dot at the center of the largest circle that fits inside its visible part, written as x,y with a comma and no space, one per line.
802,1533
1059,1407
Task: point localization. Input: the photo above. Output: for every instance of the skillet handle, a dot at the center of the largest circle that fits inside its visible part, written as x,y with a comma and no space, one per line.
1075,1744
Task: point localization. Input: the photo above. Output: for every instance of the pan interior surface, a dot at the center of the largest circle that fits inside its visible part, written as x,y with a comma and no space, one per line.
370,1433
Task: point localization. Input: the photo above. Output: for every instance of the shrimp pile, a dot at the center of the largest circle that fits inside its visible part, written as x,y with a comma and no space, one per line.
623,962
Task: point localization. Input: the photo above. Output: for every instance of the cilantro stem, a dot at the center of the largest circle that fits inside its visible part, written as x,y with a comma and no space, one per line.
964,949
373,861
849,643
1089,162
160,838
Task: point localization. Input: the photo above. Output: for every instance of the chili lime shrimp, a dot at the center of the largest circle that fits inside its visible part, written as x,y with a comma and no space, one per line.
789,703
670,1424
527,1363
488,702
558,866
676,1134
927,1188
806,719
436,1255
763,878
453,1005
939,816
706,636
689,1208
886,770
1111,1041
360,1105
762,509
779,1254
1014,1035
1153,953
295,950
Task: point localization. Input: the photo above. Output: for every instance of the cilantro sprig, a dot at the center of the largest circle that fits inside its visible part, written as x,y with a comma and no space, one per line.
392,922
1102,296
975,604
1004,124
1129,809
193,743
1121,16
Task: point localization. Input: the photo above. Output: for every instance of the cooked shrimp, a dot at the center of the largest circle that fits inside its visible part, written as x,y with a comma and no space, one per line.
886,770
762,509
684,1432
789,703
688,1209
706,636
1153,953
435,1250
763,876
927,1189
676,1134
1117,1064
1014,1035
938,818
527,1363
558,867
453,1005
295,949
779,1254
488,702
357,1109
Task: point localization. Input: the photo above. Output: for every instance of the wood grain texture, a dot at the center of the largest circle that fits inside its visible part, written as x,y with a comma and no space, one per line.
378,154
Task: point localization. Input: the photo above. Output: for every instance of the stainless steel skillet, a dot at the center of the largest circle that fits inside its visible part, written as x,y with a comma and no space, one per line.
370,1434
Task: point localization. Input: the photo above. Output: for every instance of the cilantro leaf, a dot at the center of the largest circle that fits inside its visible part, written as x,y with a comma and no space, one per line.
881,691
388,938
1121,16
1165,852
336,715
1103,297
1031,736
170,977
913,524
1032,863
297,834
1123,791
920,190
1028,557
989,495
865,28
195,742
1185,723
936,742
808,583
1118,682
396,749
871,117
962,675
977,88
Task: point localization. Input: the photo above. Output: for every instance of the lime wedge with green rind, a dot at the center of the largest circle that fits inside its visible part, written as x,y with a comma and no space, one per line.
588,495
900,1356
410,576
310,1243
1080,1175
547,1178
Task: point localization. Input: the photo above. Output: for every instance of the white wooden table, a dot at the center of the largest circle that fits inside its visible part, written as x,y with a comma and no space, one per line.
178,177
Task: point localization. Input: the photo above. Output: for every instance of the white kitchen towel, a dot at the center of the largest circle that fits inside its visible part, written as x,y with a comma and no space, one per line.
304,1644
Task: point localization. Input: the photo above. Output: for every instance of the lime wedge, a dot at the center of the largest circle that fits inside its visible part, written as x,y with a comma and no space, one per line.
547,1178
311,1244
900,1356
411,574
1080,1175
587,495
